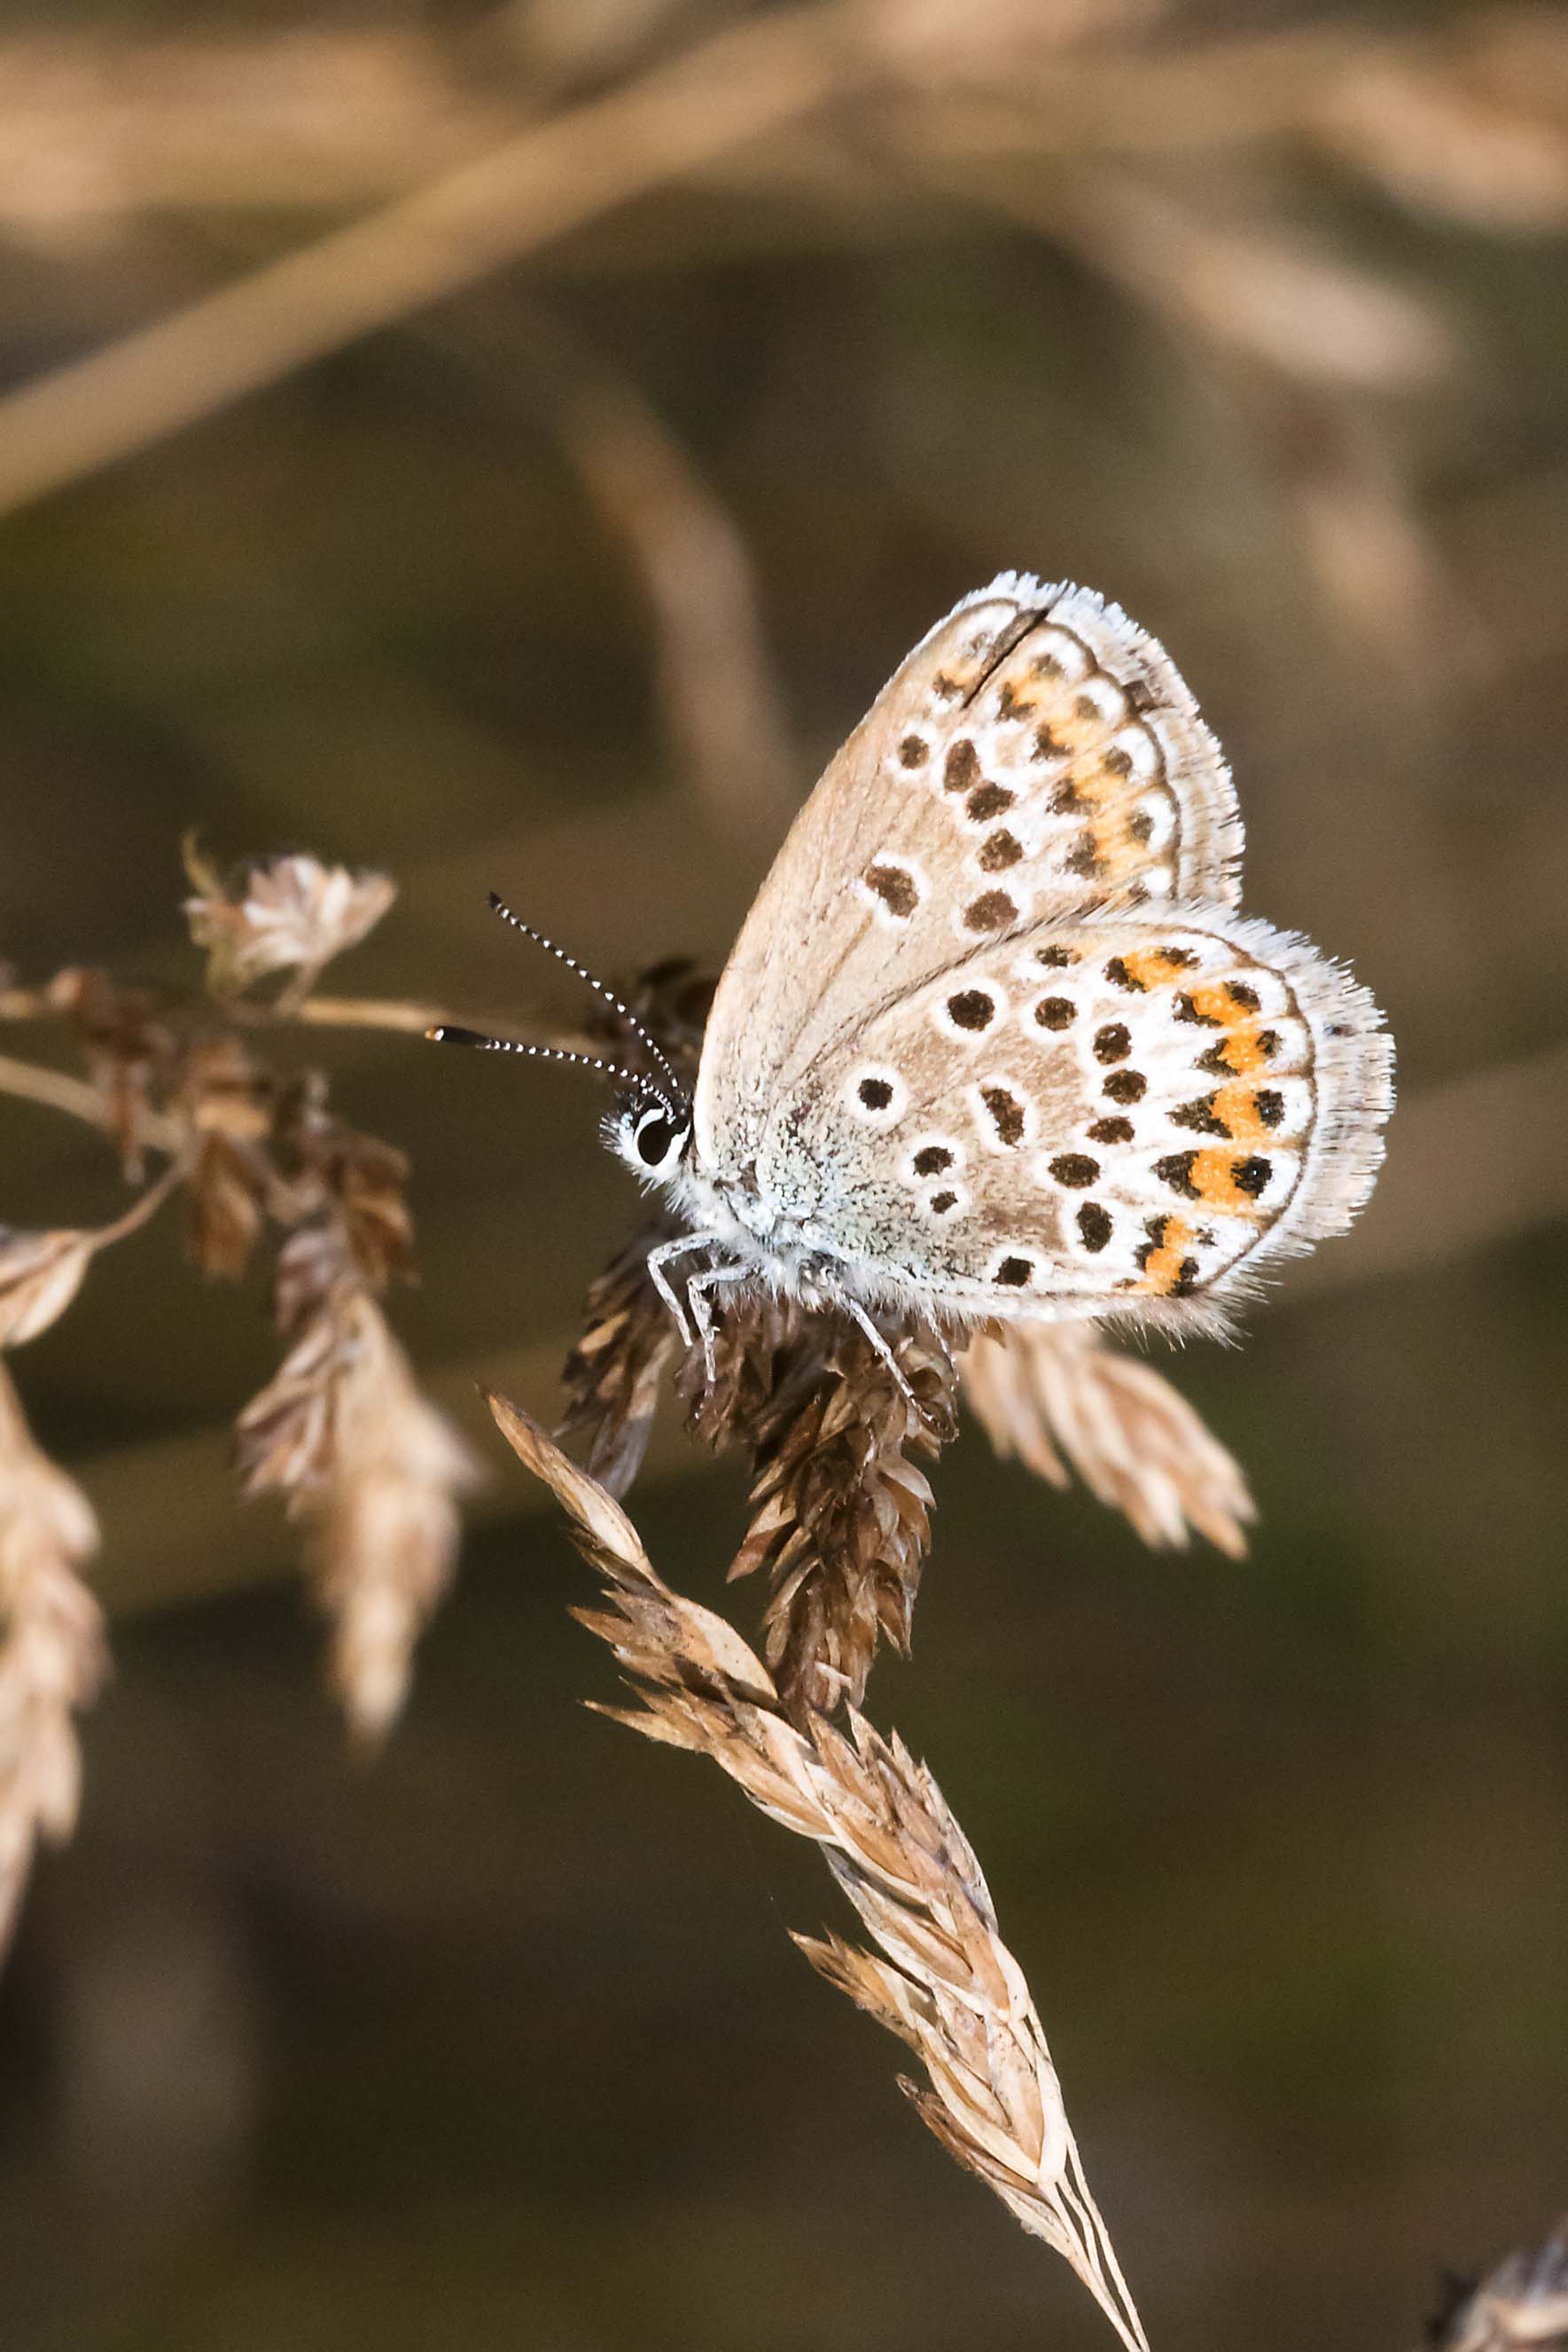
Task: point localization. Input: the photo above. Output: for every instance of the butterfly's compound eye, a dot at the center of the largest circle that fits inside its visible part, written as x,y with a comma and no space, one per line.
657,1141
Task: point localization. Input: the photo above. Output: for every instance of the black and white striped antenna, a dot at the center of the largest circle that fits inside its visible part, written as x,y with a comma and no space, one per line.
448,1033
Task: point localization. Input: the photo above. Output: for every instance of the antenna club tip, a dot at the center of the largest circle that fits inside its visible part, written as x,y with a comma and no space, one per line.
496,901
444,1033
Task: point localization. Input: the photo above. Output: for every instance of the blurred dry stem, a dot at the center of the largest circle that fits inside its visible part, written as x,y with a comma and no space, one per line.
1304,312
1164,152
1307,340
95,126
1082,126
940,1976
734,88
56,1089
717,688
1461,116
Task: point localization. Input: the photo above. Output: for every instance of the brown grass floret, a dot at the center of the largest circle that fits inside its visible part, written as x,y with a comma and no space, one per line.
939,1975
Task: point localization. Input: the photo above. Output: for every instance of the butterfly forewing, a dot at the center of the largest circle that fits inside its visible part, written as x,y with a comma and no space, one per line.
1127,1113
1037,754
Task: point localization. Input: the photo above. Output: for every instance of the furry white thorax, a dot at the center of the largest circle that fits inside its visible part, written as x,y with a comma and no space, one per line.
748,1233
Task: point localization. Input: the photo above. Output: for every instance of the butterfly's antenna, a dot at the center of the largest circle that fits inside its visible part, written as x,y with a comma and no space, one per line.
446,1033
499,907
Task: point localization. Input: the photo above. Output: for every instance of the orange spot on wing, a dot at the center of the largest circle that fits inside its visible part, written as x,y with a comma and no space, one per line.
1242,1051
1213,1003
1074,732
1148,968
1212,1181
1162,1269
1236,1105
1240,1046
1118,850
1014,698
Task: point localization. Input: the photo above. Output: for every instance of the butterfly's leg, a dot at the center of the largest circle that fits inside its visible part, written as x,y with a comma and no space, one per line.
682,1246
857,1314
701,1304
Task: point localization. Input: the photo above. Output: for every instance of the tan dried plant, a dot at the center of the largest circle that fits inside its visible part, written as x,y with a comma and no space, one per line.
1059,1398
841,1500
840,1434
51,1648
939,1975
365,1465
1521,2307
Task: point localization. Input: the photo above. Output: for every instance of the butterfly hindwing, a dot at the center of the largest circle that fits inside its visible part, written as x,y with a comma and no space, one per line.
1127,1113
1037,754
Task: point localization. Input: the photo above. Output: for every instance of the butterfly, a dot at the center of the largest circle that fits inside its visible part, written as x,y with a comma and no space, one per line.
995,1039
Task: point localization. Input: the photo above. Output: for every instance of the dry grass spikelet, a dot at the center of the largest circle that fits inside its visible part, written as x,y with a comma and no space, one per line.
840,1511
280,914
286,1437
1522,2306
839,1501
1045,1391
763,1348
227,1102
940,1976
612,1374
840,1514
384,1526
52,1652
370,1468
130,1052
40,1274
326,1165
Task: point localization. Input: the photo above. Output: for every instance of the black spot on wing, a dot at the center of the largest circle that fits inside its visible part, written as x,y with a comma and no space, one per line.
1075,1170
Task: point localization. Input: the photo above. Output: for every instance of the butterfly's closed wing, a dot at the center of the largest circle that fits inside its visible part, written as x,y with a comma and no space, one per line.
1125,1113
1037,752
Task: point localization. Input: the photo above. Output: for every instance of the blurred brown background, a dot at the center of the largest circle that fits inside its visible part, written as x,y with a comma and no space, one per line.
510,449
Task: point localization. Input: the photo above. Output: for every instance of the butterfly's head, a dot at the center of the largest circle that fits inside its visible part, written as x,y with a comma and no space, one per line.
651,1126
652,1135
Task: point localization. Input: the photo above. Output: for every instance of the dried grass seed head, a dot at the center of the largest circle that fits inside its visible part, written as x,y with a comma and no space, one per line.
52,1653
277,914
1055,1395
40,1274
131,1054
940,1977
227,1100
331,1168
612,1375
366,1464
1522,2306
